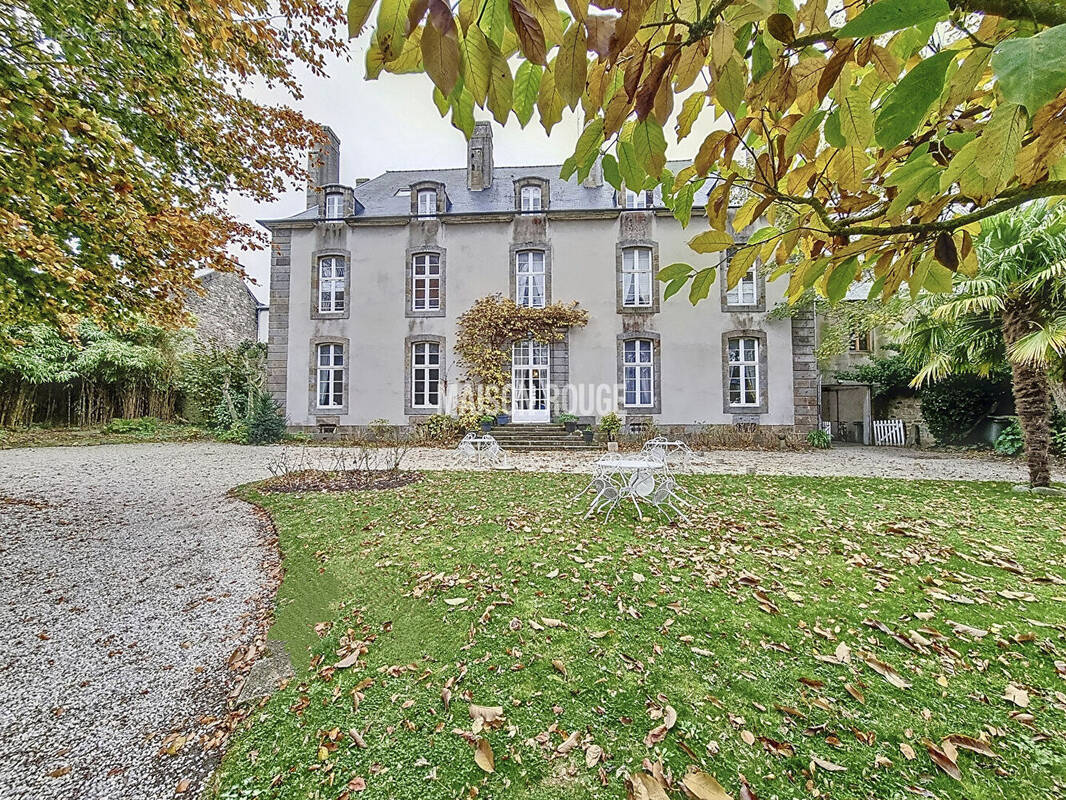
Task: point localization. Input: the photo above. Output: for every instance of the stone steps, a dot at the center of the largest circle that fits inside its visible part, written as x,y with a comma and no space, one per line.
540,436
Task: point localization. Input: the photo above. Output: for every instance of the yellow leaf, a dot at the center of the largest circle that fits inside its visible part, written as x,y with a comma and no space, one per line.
571,65
710,241
701,786
484,757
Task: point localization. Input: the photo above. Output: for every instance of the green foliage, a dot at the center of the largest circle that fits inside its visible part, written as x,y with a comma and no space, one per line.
220,384
266,422
888,374
819,439
137,425
952,407
1011,442
610,424
1031,70
441,429
566,417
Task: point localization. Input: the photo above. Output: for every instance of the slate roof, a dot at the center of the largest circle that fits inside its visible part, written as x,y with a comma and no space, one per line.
378,197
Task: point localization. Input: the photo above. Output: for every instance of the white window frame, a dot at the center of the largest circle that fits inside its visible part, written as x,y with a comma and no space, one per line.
427,202
638,370
638,200
746,292
330,385
331,294
532,198
747,371
636,277
334,205
425,271
530,278
425,360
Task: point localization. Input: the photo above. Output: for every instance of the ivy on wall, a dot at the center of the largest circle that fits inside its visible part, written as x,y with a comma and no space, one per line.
489,328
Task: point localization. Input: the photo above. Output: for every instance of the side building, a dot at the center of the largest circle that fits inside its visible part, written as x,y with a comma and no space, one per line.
368,283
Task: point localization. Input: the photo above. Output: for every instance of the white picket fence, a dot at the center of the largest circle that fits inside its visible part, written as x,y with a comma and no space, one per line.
889,432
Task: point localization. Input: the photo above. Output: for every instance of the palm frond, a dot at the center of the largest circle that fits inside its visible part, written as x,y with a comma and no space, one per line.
1043,345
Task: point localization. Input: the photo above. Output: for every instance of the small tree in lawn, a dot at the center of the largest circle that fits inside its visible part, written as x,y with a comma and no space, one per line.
1015,306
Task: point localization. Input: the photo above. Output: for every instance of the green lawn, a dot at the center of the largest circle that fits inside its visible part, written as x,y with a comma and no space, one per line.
752,624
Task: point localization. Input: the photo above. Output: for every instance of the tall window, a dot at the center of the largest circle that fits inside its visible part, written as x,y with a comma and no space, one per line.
425,375
529,278
638,372
745,293
531,198
425,282
636,276
330,375
331,279
334,205
860,342
427,202
744,378
637,199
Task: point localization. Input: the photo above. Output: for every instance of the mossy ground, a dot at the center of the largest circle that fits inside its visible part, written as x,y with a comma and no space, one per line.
489,585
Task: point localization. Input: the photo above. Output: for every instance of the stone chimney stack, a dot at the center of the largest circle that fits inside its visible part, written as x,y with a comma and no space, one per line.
479,158
323,166
594,180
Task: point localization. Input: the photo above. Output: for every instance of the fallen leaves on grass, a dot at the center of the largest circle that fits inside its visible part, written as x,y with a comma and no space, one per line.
701,786
886,671
484,757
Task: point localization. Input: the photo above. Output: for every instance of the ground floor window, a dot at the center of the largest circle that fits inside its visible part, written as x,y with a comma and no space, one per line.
425,375
330,375
638,372
744,386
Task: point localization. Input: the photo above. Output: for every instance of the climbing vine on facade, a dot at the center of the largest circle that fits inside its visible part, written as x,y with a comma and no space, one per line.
489,328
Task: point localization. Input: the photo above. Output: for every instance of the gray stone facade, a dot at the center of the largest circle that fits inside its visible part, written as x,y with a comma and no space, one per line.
226,313
806,379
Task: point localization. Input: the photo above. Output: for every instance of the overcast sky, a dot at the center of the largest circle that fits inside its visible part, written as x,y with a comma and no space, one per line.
392,123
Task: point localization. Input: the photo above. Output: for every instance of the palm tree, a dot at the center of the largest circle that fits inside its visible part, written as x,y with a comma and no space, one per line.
1013,309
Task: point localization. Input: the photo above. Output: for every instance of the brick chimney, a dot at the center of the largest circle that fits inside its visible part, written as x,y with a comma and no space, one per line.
479,158
323,165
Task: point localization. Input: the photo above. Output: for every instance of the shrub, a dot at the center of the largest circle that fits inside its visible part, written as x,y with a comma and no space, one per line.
564,418
888,375
1012,442
220,384
819,439
137,425
265,424
610,424
953,406
440,429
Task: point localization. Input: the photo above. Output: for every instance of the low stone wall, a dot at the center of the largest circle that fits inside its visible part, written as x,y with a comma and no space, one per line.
909,409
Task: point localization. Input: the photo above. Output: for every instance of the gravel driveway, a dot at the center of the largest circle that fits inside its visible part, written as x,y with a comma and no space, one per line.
127,578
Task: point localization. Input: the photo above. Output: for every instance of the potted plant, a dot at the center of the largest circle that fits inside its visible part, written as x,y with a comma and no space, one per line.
570,421
588,433
611,425
487,421
503,418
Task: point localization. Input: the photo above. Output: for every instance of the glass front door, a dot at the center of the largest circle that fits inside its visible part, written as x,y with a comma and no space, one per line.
529,382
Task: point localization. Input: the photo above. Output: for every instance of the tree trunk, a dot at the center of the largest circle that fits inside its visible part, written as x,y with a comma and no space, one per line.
1031,401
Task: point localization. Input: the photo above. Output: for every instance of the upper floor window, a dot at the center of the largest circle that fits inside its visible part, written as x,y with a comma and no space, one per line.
638,199
425,282
330,375
331,280
859,342
427,202
638,372
529,278
636,277
746,292
745,387
532,198
334,205
425,375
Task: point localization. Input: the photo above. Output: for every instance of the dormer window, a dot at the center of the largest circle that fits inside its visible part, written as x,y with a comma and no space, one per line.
532,198
427,202
638,199
334,205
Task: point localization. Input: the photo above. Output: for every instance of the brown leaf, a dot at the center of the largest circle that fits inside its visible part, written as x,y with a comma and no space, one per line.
486,713
781,28
971,744
593,755
907,750
701,786
854,692
601,29
560,667
941,759
569,744
642,786
669,717
655,735
357,784
828,766
1017,695
349,660
886,672
183,786
530,33
748,737
484,757
945,252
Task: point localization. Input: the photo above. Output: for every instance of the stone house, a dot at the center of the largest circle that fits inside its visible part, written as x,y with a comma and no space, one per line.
227,313
368,282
